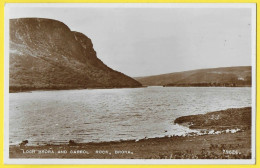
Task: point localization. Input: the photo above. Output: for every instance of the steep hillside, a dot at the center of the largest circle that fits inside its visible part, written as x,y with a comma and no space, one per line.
46,54
231,76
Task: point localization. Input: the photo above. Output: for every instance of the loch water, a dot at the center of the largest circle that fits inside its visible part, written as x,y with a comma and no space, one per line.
95,115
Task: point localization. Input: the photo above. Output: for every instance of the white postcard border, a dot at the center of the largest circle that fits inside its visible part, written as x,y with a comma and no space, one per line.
7,160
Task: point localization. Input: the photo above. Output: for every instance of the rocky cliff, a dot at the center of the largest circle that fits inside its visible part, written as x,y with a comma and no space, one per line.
46,54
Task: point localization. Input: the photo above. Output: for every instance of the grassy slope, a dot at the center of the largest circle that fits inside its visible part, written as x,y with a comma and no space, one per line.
218,75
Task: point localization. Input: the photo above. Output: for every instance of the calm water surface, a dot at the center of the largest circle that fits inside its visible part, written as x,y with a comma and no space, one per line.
113,114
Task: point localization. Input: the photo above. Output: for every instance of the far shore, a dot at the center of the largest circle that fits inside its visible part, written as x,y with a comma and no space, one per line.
57,89
83,88
218,141
206,86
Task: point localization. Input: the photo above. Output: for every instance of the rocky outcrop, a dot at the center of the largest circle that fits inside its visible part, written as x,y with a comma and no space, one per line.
233,118
46,54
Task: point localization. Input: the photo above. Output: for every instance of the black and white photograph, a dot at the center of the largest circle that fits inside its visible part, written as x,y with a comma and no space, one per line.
130,83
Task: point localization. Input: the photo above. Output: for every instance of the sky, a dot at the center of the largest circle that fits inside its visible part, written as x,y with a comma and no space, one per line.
152,41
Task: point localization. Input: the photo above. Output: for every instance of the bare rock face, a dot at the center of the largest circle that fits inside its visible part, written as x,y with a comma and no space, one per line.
46,54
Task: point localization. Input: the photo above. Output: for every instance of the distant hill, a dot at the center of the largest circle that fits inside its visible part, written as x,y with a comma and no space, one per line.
46,54
227,76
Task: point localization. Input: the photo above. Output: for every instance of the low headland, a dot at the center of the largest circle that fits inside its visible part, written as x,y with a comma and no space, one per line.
222,134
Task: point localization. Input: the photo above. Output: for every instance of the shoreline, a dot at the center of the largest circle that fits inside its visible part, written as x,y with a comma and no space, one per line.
31,90
209,86
224,145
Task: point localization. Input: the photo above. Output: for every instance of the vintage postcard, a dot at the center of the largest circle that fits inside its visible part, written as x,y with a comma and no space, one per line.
131,83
